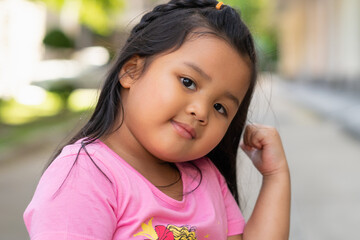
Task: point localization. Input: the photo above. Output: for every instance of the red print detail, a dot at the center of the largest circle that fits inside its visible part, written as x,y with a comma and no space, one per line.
164,233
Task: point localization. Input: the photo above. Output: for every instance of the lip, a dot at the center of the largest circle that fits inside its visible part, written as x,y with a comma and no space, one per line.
184,130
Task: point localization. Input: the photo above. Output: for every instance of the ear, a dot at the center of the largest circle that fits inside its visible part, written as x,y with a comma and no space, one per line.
130,71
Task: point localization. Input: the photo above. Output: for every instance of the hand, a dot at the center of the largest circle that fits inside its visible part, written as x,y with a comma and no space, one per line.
263,146
271,215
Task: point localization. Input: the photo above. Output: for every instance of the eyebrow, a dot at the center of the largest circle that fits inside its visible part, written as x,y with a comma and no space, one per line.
207,77
198,70
232,98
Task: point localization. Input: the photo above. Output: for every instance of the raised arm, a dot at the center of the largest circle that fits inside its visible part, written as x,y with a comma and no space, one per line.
271,216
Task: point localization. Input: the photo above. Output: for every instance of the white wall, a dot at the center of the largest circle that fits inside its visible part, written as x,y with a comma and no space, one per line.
22,28
320,40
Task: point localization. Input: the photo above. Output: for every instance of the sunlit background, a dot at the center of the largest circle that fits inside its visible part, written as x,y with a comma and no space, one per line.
54,55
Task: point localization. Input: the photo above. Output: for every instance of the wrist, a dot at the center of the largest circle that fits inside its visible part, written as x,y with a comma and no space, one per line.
280,174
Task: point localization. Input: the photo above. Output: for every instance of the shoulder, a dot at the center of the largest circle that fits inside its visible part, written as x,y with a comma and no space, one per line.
80,162
78,186
87,156
95,149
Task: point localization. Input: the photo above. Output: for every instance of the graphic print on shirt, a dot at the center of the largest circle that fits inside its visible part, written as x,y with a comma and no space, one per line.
170,232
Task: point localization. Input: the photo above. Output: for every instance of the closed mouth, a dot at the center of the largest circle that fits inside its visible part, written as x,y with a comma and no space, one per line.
184,130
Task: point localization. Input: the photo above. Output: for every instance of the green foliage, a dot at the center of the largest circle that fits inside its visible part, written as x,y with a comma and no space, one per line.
14,113
253,12
62,89
256,15
97,15
53,4
58,39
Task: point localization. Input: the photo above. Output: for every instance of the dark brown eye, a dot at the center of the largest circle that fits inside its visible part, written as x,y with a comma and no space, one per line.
188,83
218,107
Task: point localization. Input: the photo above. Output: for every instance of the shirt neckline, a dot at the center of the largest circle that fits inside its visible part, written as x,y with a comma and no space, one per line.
157,192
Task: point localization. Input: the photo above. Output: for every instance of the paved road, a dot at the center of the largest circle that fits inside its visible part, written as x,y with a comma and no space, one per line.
324,162
19,174
17,183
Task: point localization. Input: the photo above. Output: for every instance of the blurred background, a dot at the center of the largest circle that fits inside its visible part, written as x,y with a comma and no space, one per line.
54,55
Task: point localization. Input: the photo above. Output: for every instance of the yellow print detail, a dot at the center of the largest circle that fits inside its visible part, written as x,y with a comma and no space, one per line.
182,233
170,232
147,231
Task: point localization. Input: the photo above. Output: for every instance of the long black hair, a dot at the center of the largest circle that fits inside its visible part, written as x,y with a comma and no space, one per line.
166,28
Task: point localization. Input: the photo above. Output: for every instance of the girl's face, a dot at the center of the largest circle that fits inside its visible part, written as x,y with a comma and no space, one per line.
181,106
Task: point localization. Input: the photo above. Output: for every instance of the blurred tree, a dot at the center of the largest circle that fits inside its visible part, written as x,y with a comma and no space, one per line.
62,89
58,39
257,15
97,15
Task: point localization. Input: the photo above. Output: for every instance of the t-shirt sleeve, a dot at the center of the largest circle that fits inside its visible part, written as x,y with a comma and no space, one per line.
235,219
73,201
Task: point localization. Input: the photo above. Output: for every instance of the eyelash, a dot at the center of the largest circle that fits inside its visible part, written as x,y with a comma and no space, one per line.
222,107
188,80
182,79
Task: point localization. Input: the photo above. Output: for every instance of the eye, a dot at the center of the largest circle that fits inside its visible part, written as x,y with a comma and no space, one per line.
188,83
220,108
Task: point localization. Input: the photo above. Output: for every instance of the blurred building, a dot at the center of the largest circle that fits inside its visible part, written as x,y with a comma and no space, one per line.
319,40
22,27
25,23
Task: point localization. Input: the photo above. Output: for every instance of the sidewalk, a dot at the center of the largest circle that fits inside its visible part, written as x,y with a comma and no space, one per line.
337,105
323,158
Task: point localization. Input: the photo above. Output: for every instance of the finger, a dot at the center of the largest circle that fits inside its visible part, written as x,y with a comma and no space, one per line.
252,153
248,134
245,147
252,136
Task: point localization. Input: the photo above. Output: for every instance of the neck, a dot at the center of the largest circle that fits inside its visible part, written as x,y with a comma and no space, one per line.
157,171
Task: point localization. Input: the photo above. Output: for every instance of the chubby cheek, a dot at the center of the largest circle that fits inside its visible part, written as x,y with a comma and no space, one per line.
158,98
168,96
211,139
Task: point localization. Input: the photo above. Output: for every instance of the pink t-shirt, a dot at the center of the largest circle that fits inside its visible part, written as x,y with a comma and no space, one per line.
125,205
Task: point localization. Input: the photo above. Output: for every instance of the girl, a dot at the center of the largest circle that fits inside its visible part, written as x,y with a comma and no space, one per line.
157,159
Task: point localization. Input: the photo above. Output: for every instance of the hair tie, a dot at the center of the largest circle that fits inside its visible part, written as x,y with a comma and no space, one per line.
218,6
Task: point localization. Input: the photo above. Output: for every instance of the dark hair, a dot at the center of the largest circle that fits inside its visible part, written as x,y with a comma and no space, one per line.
163,29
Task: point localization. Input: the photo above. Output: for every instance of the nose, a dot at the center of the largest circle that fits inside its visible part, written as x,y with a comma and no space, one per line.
200,111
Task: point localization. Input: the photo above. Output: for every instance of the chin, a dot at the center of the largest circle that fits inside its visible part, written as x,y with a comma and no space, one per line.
168,152
174,159
178,157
